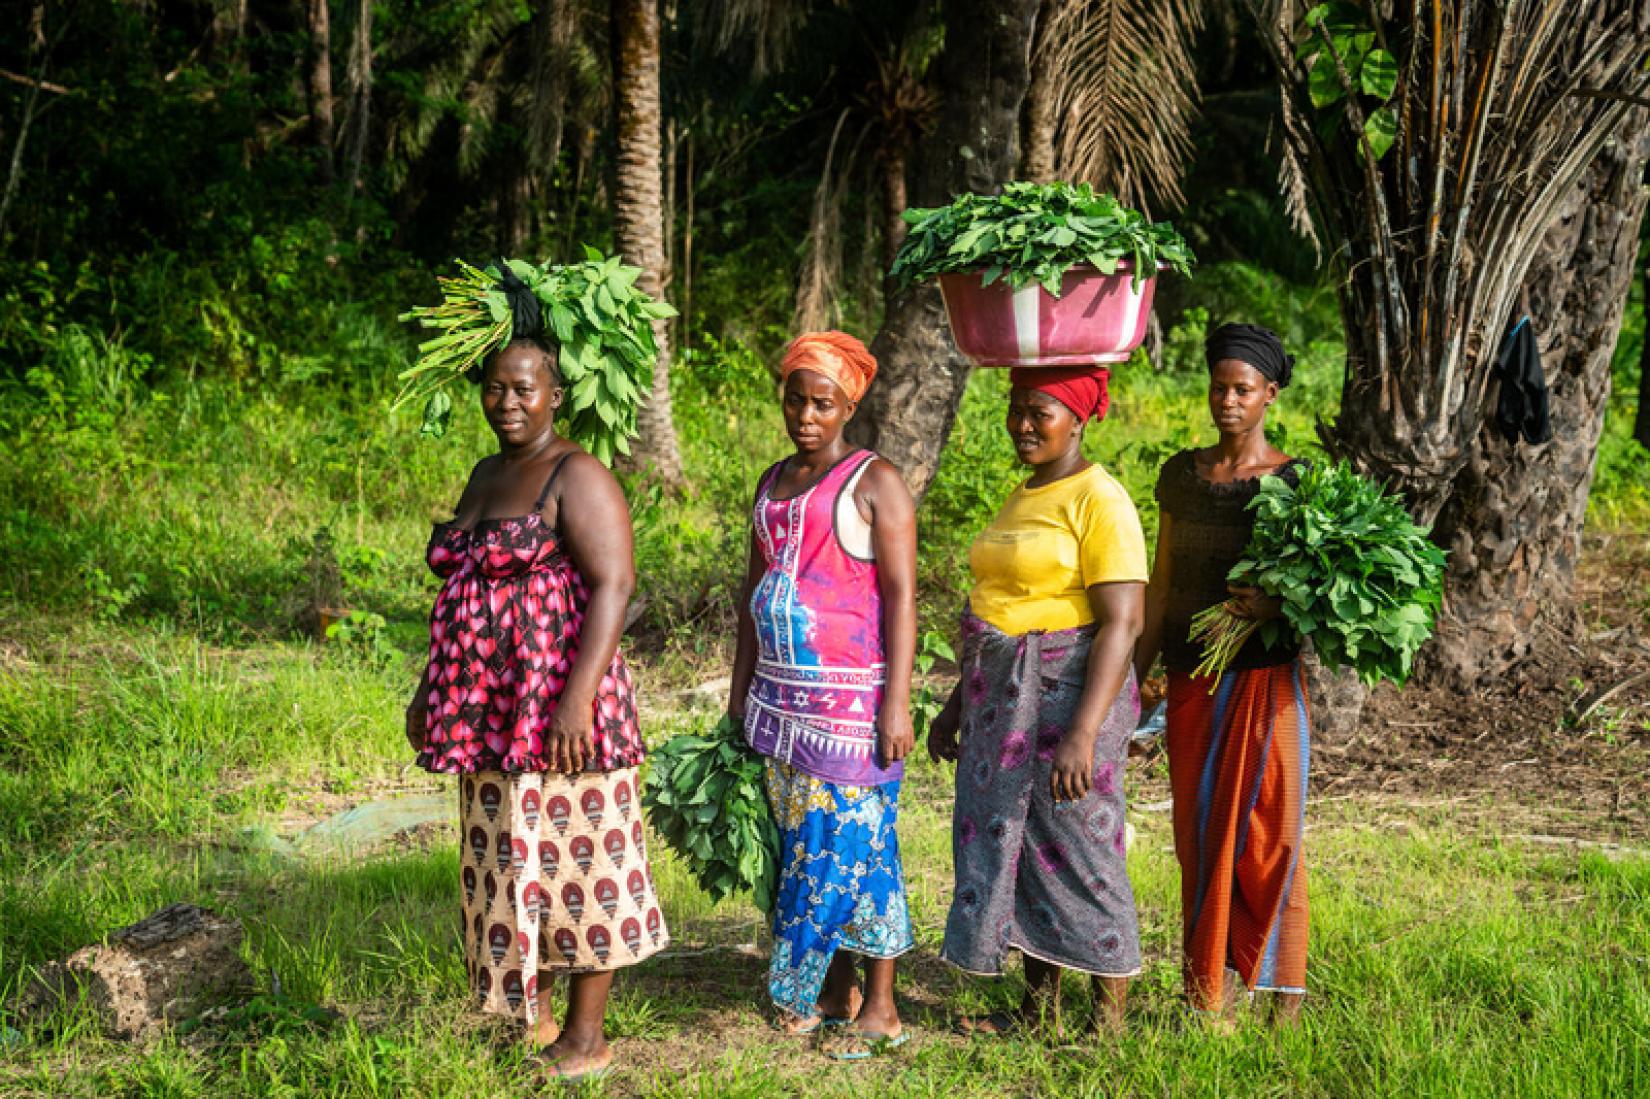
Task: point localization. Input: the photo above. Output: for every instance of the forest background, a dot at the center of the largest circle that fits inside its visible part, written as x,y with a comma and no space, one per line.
213,212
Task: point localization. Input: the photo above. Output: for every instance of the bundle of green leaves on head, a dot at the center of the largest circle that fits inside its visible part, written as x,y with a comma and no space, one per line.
602,324
1353,570
1035,233
705,795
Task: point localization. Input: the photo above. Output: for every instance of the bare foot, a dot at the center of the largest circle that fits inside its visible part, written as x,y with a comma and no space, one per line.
543,1032
846,1007
998,1024
568,1061
884,1021
796,1025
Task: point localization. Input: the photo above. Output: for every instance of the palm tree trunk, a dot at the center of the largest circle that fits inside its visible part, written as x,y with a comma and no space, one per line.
638,209
894,202
318,81
1641,421
983,76
1513,521
1042,103
359,93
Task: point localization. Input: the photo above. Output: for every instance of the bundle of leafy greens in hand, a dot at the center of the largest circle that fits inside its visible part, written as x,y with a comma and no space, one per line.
705,796
1353,570
1035,233
602,324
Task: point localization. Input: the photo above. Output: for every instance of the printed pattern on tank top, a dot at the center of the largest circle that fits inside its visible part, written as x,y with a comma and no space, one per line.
819,677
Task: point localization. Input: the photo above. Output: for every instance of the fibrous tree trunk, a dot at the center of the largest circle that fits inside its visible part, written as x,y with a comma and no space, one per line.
1498,114
1641,420
358,94
1513,522
638,209
983,75
1042,101
318,82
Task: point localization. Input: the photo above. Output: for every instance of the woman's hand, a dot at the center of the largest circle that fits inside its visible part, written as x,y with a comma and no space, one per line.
1254,603
570,742
942,731
1071,776
418,711
895,736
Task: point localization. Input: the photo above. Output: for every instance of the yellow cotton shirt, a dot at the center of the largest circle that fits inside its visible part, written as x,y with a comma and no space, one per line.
1033,565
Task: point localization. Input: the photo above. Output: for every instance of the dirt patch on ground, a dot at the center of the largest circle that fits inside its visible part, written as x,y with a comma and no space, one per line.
1561,745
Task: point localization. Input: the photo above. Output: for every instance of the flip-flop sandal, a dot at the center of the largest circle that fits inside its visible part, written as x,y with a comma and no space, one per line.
861,1045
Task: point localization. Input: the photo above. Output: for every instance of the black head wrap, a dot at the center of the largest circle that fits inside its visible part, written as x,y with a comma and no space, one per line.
1250,343
526,321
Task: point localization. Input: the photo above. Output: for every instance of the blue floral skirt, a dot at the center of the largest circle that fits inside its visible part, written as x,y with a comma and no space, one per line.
841,885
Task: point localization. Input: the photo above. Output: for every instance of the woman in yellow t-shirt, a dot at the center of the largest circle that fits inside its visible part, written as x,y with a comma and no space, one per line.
1040,721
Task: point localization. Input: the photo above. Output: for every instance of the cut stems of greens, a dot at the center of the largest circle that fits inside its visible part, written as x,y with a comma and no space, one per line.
1035,233
602,324
1355,574
705,795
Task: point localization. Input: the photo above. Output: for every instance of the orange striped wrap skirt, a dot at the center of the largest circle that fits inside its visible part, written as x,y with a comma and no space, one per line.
1238,762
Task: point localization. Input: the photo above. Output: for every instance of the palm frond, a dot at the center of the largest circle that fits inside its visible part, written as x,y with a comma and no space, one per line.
1121,92
766,30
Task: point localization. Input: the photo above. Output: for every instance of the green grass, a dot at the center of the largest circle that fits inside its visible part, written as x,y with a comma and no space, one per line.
160,711
1443,962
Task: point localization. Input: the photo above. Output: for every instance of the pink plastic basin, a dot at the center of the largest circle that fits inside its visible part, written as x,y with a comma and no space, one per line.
1096,319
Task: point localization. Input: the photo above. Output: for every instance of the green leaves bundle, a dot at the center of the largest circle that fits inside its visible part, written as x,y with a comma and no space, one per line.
1354,571
603,324
1035,232
705,796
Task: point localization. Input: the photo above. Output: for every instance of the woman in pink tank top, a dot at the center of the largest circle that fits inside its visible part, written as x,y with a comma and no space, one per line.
822,685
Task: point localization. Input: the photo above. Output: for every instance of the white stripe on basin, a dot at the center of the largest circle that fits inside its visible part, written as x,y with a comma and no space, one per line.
1027,331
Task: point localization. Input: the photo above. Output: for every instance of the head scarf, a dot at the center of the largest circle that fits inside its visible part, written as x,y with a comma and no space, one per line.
1080,388
1250,343
836,355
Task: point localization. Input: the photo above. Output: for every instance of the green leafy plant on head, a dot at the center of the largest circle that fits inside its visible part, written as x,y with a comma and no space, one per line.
1035,233
705,795
602,324
1355,573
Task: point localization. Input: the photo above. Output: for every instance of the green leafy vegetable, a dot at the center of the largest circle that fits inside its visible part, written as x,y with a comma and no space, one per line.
706,795
1354,571
601,322
1035,233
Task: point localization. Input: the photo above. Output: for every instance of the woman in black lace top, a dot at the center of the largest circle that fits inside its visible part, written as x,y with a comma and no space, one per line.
1238,746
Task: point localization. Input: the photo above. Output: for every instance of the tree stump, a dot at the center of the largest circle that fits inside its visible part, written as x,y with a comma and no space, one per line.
156,972
1336,698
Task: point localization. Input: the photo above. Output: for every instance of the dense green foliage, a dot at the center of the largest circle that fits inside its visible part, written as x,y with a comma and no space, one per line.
706,795
603,329
1354,572
1035,233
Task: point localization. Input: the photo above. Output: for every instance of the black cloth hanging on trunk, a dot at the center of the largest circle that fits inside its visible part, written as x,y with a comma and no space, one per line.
1521,408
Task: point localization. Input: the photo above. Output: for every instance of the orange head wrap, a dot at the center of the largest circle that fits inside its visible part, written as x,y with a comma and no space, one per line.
836,355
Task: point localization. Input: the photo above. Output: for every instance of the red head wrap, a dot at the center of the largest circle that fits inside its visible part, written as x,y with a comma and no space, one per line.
836,355
1080,388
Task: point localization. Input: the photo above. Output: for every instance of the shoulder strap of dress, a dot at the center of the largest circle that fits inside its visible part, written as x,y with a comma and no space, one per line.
769,475
549,481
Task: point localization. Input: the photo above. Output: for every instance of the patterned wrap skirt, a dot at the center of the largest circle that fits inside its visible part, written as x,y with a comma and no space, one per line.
555,880
841,885
1042,877
1238,765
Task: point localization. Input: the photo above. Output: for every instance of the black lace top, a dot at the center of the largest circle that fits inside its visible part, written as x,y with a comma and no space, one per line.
1211,531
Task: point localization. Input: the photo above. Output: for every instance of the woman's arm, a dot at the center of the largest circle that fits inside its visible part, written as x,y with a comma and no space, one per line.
894,543
1157,600
599,540
1119,611
744,651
